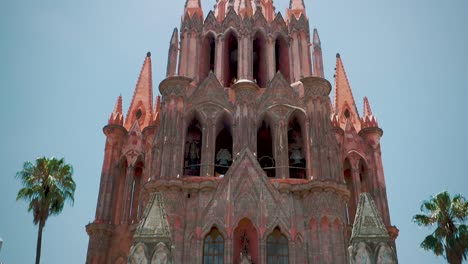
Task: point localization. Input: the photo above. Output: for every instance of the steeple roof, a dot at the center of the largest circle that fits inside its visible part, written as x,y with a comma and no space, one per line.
368,119
345,106
141,107
368,223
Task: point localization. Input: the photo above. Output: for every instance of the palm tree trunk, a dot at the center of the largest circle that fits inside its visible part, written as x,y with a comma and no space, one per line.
39,242
453,257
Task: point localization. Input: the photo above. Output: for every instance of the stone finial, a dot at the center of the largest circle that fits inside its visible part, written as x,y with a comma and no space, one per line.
368,120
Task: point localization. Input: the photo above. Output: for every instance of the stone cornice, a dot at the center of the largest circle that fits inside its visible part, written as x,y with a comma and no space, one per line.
99,229
368,130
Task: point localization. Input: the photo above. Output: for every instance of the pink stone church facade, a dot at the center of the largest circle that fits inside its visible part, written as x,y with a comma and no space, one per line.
244,158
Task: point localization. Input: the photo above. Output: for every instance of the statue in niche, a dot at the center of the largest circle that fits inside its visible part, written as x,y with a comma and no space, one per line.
245,257
161,255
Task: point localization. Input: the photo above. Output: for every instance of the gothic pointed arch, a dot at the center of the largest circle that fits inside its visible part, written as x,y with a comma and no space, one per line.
246,241
193,145
265,145
230,70
213,247
277,247
138,254
208,54
223,144
282,56
297,145
349,181
259,58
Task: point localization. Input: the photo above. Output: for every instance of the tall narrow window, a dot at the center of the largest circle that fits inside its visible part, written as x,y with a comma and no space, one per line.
223,148
265,149
208,56
192,153
351,205
260,60
231,59
277,248
213,248
296,151
365,185
282,57
134,212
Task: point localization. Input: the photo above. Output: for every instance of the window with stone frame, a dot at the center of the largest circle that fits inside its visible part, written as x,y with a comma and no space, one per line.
277,248
213,248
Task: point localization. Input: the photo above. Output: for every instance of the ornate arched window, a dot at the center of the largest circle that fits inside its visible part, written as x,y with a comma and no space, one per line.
231,59
265,149
213,247
296,149
282,57
277,248
259,59
208,56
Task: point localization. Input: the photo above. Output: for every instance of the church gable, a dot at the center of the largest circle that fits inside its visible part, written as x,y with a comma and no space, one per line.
244,192
134,146
210,90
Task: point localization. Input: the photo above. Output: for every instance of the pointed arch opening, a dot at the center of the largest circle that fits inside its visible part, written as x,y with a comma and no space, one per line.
135,208
296,147
277,248
282,57
213,247
192,151
363,176
351,205
231,59
208,55
259,57
223,147
265,148
245,242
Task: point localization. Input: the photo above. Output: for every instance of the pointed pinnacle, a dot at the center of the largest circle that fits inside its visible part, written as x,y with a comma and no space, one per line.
118,105
316,40
367,108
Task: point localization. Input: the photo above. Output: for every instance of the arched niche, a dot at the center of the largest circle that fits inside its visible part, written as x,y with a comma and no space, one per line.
282,57
348,179
265,147
259,59
231,58
245,241
296,146
193,146
208,55
277,247
223,145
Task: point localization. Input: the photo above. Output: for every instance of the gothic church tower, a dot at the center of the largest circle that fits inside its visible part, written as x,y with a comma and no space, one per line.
244,158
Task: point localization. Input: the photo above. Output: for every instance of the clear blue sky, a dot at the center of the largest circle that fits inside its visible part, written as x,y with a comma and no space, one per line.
63,64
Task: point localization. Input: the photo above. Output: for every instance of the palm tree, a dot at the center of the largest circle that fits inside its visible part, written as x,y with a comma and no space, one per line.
450,238
47,184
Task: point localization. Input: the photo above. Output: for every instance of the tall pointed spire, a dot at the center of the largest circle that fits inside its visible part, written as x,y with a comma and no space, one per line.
141,107
345,106
193,7
317,56
116,118
296,8
173,52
